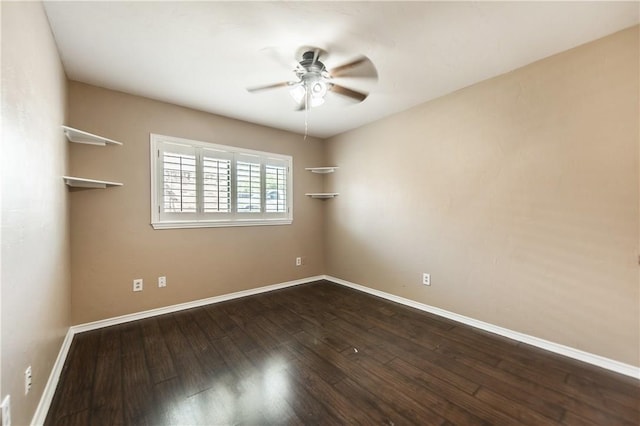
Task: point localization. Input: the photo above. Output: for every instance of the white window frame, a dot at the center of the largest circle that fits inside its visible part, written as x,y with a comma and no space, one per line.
200,219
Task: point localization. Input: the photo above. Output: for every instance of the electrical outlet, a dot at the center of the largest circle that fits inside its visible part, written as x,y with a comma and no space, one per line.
6,411
27,380
426,279
298,261
162,281
137,284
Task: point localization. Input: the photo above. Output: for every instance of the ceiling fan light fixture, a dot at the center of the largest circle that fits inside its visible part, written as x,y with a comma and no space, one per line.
298,93
314,88
316,101
318,89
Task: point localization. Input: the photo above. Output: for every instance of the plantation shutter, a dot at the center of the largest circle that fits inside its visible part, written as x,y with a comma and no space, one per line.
179,177
198,184
248,184
216,170
276,178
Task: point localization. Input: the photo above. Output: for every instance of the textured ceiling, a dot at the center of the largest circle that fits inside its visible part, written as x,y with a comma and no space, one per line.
204,55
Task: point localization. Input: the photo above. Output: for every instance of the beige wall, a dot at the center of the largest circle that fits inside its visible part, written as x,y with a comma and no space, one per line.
112,241
519,195
35,231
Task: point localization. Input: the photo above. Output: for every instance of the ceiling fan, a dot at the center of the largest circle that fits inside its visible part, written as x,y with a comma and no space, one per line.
315,80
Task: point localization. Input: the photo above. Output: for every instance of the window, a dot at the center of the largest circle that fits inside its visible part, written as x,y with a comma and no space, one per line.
198,184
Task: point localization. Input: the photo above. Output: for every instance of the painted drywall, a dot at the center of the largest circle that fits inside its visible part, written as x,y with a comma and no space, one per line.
112,241
519,195
35,231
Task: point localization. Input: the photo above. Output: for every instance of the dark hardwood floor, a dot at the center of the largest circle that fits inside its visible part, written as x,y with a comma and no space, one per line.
321,353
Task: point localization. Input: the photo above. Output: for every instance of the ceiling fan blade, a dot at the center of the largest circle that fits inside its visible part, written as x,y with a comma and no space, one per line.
364,65
269,86
359,96
279,56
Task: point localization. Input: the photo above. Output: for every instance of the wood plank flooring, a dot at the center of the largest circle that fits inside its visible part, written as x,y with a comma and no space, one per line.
321,353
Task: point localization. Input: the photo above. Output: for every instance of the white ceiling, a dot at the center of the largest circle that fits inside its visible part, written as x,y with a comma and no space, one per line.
203,55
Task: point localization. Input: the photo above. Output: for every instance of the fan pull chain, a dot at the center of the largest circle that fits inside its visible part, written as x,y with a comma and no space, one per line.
306,115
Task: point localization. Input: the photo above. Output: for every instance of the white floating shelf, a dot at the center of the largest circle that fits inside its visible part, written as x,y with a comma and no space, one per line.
76,182
322,170
321,194
79,136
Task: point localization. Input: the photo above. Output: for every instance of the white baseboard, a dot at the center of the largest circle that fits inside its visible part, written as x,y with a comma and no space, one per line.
188,305
600,361
50,388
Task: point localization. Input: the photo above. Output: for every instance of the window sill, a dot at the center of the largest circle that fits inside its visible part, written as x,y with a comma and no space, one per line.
219,224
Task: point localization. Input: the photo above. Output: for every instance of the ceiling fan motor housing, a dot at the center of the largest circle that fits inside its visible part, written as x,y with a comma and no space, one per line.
313,75
310,65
